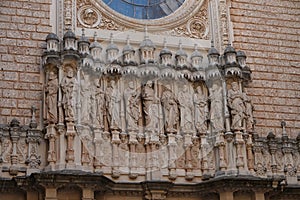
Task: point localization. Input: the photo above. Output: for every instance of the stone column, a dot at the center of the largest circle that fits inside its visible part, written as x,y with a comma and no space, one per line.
250,156
273,148
155,171
132,156
115,152
220,143
226,195
98,141
240,143
50,194
15,136
172,156
70,134
204,150
87,194
188,157
230,153
51,136
61,152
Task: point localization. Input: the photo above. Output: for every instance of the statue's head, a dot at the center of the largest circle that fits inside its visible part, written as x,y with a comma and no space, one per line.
234,86
131,85
149,83
69,71
52,75
199,90
112,83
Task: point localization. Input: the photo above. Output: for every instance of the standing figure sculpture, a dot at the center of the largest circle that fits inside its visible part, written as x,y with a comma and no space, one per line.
85,99
216,109
100,104
170,109
249,113
201,111
236,105
67,86
150,107
51,98
186,110
132,108
113,100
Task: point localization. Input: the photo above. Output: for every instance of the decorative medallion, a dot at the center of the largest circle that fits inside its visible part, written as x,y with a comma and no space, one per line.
89,17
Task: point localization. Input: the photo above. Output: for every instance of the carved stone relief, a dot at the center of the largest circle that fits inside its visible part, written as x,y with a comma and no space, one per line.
216,105
133,120
236,104
201,110
89,17
196,27
52,97
20,147
93,14
67,86
170,109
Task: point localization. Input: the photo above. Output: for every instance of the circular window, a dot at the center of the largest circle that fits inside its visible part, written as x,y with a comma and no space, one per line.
156,14
144,9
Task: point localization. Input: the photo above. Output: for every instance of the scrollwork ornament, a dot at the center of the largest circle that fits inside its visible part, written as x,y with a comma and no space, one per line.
81,3
197,28
109,24
89,17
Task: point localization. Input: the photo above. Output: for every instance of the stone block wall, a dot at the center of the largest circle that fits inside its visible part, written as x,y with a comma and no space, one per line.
24,26
269,33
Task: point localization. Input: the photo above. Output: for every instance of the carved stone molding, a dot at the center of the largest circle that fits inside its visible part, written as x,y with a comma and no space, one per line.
89,17
191,20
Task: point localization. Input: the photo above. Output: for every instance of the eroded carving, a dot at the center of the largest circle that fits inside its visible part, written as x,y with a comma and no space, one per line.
51,97
113,103
237,107
201,110
67,86
170,108
216,108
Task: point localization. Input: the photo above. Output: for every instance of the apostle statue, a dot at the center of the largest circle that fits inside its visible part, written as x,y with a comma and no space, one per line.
236,105
100,104
186,109
85,98
132,108
150,106
170,109
113,103
201,110
51,98
248,113
67,86
216,109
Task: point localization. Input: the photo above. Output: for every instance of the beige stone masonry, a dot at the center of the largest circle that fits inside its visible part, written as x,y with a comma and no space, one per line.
24,26
269,33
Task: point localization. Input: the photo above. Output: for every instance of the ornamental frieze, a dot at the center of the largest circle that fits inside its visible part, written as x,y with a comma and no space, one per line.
129,113
95,14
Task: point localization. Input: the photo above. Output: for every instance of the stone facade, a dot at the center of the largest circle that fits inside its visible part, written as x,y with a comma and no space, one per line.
124,113
267,31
